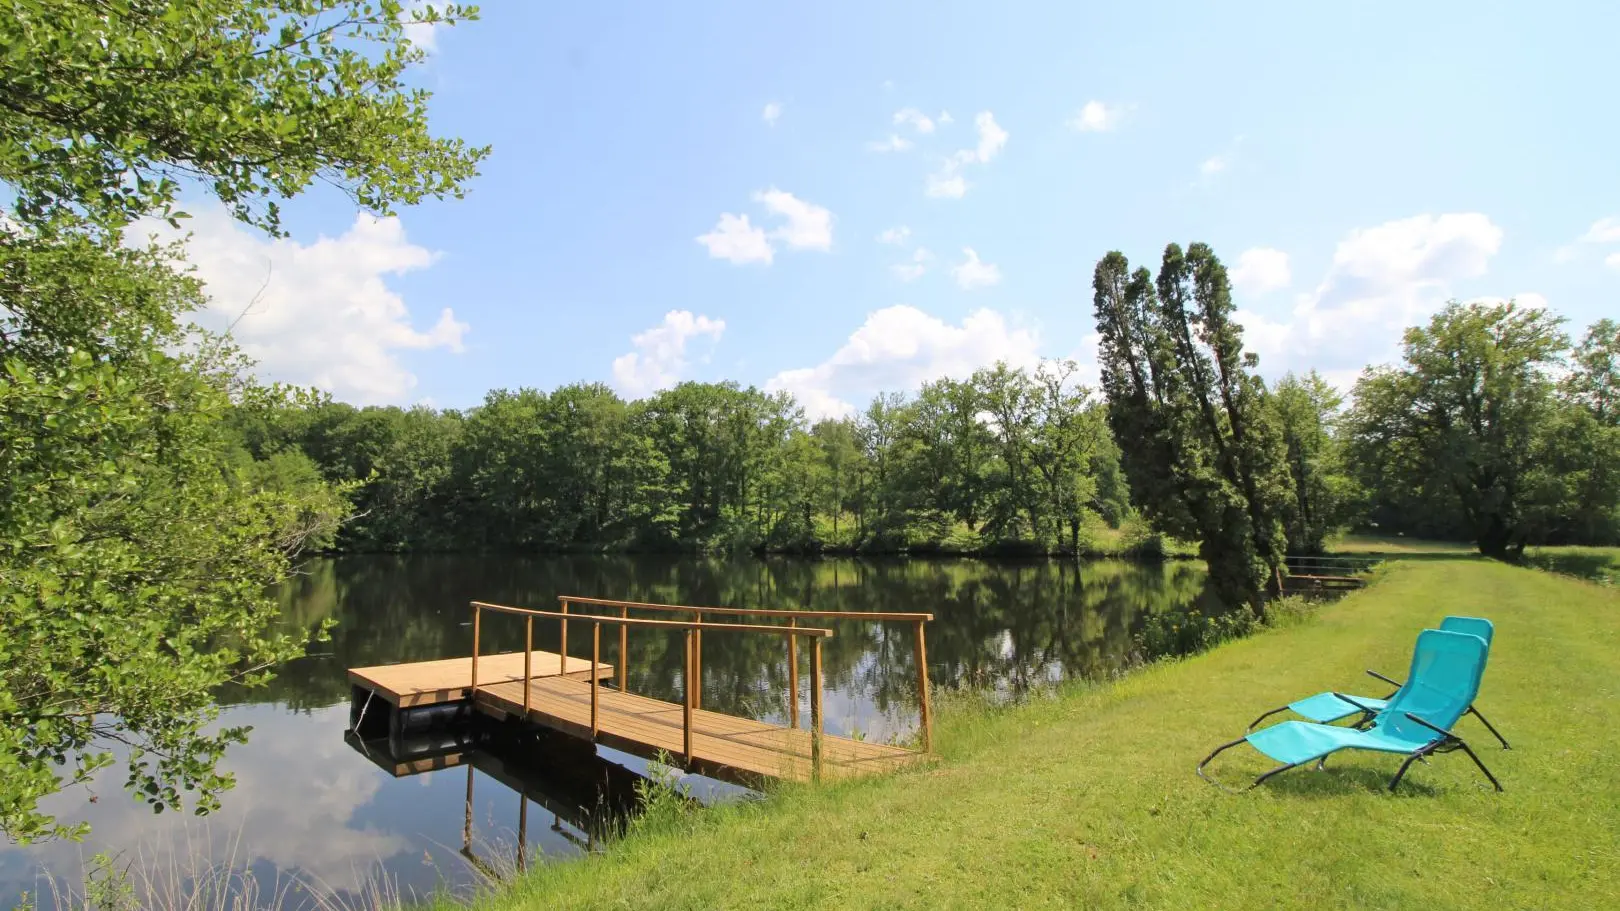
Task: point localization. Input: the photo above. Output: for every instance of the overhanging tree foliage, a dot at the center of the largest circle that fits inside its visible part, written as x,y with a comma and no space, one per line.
1199,444
137,536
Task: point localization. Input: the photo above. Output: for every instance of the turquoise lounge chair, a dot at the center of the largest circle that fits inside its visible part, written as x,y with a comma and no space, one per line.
1416,723
1326,708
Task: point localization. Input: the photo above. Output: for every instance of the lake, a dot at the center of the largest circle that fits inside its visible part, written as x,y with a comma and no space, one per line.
313,807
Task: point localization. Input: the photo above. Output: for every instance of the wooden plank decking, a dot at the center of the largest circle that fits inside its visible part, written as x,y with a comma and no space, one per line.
721,744
420,683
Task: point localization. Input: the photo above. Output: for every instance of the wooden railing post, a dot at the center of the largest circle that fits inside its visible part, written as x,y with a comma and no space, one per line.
562,647
624,648
472,687
793,674
697,664
686,708
596,659
815,707
528,653
922,691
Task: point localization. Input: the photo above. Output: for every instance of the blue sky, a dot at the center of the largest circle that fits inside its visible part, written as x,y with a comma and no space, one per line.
1354,164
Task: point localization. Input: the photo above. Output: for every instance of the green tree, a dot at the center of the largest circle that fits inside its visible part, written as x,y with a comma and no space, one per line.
1593,381
135,548
1453,433
1199,444
1307,409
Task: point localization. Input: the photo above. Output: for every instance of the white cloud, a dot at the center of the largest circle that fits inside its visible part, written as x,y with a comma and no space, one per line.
972,273
1603,231
736,240
895,143
809,225
1528,300
1098,117
1382,280
1260,270
899,348
422,34
319,313
915,118
1215,165
914,268
660,357
897,235
948,182
992,138
944,119
773,111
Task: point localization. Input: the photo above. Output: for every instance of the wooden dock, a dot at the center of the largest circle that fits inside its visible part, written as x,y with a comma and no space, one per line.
420,683
567,694
722,745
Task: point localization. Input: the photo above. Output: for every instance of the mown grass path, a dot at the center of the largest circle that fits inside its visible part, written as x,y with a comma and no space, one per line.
1089,799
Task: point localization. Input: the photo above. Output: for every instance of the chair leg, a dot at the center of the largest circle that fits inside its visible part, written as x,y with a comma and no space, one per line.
1494,782
1489,727
1218,751
1265,716
1281,768
1404,766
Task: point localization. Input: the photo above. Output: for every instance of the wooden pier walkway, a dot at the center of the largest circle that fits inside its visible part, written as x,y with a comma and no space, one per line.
419,683
722,745
566,694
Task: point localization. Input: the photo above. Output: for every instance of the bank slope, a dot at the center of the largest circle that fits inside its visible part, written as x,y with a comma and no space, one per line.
1090,799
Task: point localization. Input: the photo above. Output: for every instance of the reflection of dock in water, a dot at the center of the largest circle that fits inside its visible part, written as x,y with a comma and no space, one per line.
535,690
586,797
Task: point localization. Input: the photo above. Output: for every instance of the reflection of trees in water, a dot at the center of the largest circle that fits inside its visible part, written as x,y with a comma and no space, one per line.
997,624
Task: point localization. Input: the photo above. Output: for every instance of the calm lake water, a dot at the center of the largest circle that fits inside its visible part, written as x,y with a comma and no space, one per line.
311,806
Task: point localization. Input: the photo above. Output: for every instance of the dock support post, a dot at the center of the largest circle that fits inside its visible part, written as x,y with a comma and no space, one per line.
472,684
815,708
523,832
624,648
562,645
793,675
528,653
466,822
596,659
697,665
686,709
923,706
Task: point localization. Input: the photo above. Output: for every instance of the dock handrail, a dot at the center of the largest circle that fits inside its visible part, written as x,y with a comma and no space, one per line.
916,618
689,703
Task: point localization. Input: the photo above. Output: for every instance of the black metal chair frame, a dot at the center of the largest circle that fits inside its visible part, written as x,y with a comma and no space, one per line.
1447,742
1368,713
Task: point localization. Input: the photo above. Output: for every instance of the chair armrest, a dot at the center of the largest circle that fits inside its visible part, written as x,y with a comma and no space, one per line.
1433,727
1365,708
1394,683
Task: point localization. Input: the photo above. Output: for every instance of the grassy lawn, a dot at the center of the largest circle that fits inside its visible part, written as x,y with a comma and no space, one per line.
1089,799
1377,544
1600,564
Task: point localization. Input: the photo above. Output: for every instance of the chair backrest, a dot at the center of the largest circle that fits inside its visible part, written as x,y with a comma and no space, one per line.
1444,679
1476,626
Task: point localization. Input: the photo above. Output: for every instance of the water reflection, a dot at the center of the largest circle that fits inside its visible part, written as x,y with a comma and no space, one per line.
308,804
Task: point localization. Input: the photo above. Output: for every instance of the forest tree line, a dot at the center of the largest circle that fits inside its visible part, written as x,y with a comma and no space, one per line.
1493,429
